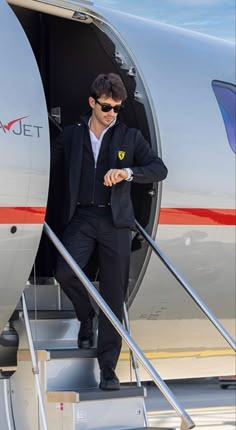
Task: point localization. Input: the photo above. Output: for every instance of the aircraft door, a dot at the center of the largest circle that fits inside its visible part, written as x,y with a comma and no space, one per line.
24,161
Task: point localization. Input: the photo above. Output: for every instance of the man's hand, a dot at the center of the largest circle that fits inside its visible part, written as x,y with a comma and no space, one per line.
113,176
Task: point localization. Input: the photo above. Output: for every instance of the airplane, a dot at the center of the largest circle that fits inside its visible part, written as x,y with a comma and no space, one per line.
182,90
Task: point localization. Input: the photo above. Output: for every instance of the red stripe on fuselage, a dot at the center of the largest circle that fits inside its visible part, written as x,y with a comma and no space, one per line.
22,215
168,216
197,216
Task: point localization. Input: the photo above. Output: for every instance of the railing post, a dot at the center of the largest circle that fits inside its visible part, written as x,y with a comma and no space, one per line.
135,363
35,364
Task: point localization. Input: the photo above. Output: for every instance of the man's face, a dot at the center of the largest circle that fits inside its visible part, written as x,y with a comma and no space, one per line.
102,104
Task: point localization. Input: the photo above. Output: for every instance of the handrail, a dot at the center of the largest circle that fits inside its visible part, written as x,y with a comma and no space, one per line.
186,421
187,288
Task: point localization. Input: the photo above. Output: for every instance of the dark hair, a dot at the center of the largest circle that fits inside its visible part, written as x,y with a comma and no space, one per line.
109,85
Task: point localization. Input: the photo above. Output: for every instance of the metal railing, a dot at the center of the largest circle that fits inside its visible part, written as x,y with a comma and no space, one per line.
187,288
186,421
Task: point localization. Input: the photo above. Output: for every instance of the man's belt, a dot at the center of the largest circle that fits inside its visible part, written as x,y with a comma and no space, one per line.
94,206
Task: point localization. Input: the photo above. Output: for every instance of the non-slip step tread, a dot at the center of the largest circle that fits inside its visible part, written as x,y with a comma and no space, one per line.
56,354
94,394
50,314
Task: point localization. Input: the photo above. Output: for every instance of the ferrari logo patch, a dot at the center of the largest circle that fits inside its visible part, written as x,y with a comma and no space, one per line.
121,155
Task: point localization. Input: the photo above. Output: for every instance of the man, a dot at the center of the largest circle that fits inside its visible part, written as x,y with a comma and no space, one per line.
101,157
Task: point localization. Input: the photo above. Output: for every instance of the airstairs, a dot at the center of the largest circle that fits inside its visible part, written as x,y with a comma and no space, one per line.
66,379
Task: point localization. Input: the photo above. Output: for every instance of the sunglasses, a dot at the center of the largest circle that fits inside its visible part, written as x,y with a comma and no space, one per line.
106,107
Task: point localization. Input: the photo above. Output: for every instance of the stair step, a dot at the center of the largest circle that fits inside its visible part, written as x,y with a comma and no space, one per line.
51,314
94,394
49,333
78,369
98,409
66,370
57,354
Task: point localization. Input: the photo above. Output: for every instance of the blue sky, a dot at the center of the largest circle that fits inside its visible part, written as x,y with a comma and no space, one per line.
214,17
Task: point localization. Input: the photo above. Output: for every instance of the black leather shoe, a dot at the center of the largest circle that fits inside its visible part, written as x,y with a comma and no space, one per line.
109,380
86,334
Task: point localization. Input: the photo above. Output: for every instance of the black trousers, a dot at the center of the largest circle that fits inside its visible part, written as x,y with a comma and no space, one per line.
92,227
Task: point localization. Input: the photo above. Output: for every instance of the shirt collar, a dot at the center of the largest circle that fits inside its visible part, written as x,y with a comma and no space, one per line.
105,129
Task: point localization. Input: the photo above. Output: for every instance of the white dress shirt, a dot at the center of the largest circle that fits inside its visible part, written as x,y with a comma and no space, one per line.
96,145
96,142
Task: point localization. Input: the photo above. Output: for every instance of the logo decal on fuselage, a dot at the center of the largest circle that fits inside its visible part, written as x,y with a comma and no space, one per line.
17,127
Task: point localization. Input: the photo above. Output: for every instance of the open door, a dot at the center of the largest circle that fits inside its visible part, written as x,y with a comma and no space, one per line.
71,48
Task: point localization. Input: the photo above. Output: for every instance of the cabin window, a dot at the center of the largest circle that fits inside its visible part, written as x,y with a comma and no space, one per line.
226,96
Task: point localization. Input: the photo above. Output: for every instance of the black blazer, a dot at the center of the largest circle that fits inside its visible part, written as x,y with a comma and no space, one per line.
127,148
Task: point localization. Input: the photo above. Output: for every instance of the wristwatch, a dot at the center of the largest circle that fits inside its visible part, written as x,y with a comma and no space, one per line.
130,174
